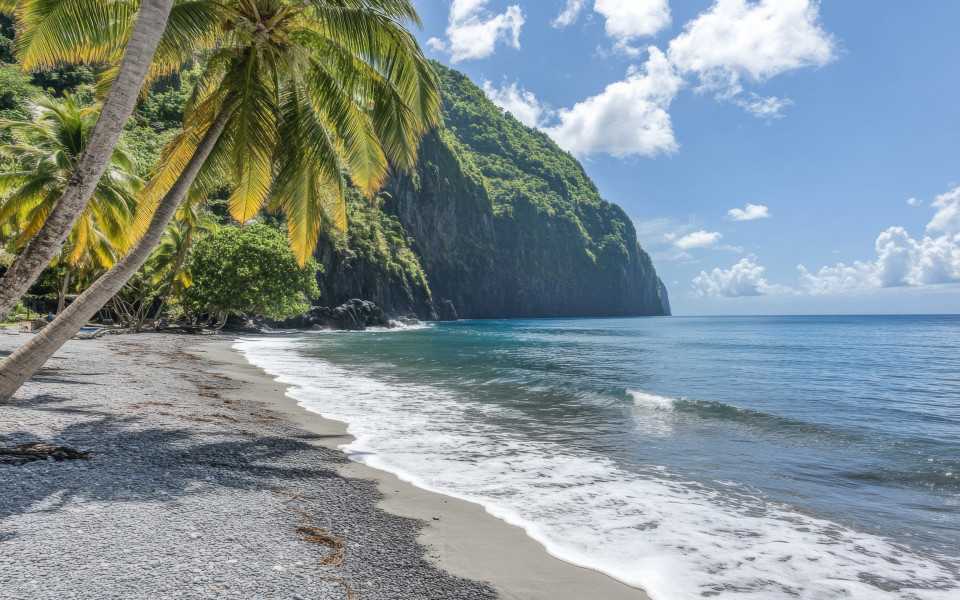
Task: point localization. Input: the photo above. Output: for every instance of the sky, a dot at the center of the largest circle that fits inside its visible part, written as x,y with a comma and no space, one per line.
776,156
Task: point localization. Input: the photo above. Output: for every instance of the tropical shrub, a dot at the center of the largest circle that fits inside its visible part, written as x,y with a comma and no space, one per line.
248,270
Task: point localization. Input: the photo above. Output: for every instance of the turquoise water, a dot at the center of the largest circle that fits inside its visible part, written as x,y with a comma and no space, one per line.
813,457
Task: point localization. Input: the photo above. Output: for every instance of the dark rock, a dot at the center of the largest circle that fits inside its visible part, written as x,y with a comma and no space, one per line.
410,319
446,311
353,315
243,323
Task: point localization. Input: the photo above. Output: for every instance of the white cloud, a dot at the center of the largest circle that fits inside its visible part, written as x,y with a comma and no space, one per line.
473,31
627,21
839,279
698,239
901,260
733,43
737,40
763,108
628,118
570,13
742,279
519,102
914,201
751,212
948,212
659,229
658,235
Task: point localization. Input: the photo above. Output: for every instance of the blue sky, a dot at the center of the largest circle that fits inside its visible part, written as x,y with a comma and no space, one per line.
829,129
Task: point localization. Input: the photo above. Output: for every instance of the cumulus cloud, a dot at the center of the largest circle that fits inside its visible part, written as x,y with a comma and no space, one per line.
746,278
569,14
732,44
736,41
901,260
751,212
626,21
629,117
914,201
698,239
629,21
838,279
948,212
473,31
519,102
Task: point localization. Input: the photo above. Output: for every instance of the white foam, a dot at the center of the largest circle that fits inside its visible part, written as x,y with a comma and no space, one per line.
652,401
676,539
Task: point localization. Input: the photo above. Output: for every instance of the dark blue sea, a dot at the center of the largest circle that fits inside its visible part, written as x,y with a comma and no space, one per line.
770,457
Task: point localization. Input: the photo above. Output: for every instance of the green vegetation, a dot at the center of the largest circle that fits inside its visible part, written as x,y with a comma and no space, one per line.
378,238
506,223
6,40
496,218
524,171
249,270
290,115
41,157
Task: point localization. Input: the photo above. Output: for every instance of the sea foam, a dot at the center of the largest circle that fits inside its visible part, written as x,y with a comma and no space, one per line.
677,539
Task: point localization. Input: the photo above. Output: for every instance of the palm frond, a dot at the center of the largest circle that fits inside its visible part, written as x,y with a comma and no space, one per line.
307,172
57,32
252,130
358,142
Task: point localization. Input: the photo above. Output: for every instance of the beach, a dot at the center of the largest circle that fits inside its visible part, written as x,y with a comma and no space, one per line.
204,480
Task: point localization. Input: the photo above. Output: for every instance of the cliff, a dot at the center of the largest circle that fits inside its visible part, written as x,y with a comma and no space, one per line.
501,223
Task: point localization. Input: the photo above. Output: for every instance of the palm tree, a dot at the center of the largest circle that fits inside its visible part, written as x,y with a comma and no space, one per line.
168,262
58,32
296,92
45,152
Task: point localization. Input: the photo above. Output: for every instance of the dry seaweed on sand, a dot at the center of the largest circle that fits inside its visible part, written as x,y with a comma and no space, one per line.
323,537
25,453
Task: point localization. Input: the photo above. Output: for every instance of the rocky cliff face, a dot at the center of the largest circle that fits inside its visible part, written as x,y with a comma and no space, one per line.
504,224
346,277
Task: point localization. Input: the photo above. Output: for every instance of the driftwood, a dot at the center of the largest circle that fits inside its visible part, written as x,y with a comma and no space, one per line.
19,455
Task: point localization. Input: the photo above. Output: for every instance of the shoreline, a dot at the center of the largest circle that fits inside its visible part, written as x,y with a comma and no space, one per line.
462,538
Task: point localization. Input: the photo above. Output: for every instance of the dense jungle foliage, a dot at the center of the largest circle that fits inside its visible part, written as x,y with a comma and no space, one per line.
549,220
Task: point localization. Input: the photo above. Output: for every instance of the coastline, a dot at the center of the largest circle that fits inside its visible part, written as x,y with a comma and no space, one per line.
204,480
461,537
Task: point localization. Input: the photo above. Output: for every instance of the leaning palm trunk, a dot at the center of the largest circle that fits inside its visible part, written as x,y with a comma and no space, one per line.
62,301
28,359
43,247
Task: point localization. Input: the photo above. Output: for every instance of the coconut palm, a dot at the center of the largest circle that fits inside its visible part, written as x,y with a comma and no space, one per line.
168,262
53,33
295,93
315,92
45,152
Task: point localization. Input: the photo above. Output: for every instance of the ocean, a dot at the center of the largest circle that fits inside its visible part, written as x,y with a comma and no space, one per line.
725,457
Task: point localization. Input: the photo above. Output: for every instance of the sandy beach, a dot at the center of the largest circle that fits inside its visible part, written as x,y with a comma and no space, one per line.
204,481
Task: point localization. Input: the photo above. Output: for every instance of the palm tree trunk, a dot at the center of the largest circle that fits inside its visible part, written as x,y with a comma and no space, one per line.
168,289
62,301
27,360
163,304
146,34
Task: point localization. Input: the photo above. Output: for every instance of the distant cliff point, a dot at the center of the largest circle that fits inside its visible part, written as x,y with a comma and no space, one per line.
501,223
